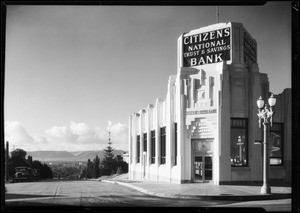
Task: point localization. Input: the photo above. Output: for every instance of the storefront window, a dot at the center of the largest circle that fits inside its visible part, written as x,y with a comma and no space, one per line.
138,149
153,146
163,145
145,142
239,142
276,138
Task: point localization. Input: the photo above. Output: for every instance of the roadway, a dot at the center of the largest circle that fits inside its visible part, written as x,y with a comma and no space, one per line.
99,194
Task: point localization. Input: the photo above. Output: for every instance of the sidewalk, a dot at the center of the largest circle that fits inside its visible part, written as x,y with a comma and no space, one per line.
204,191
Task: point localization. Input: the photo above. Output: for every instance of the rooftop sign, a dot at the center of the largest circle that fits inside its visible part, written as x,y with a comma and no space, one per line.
250,55
206,48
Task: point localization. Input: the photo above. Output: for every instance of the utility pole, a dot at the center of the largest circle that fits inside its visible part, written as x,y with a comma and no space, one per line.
109,142
217,14
6,161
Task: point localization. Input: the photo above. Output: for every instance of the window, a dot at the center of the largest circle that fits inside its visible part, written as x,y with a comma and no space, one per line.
138,149
163,145
239,142
153,146
175,161
145,142
276,138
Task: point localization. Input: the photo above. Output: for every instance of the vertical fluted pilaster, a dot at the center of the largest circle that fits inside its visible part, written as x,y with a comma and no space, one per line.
149,115
181,126
141,133
157,135
169,128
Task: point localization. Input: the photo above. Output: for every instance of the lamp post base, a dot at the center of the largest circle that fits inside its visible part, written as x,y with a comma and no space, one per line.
265,190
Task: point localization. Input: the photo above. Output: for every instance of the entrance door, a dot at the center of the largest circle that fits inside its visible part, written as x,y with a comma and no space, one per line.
198,165
202,168
208,168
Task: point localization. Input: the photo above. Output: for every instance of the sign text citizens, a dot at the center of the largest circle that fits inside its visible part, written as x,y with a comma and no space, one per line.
206,48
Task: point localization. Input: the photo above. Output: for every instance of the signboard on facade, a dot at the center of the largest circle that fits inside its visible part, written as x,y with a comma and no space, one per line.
202,112
206,48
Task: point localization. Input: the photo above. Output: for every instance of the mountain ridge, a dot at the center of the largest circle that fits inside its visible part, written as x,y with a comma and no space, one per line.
48,156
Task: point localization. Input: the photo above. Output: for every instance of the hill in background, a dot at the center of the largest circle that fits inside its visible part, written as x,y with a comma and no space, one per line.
48,156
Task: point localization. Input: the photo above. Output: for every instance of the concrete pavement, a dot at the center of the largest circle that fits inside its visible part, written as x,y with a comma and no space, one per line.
203,191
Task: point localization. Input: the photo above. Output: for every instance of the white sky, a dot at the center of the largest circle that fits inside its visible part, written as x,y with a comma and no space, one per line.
74,72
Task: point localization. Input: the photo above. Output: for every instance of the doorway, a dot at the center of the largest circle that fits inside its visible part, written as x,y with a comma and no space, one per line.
202,168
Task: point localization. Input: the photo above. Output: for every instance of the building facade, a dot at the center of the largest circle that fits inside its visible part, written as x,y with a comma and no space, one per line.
206,129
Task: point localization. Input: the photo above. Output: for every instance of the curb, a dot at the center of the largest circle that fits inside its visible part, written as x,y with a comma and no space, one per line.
205,197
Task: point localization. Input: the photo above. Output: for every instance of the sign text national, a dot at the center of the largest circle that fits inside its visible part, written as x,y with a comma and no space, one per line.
206,48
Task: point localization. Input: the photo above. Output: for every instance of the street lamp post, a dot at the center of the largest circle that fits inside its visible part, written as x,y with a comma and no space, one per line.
265,116
240,143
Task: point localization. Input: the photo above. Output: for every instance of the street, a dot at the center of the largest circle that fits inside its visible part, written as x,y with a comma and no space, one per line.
97,194
88,193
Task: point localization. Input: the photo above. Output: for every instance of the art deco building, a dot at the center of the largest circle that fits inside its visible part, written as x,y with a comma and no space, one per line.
206,129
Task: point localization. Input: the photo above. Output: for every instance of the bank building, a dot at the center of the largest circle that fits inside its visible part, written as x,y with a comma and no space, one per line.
206,129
